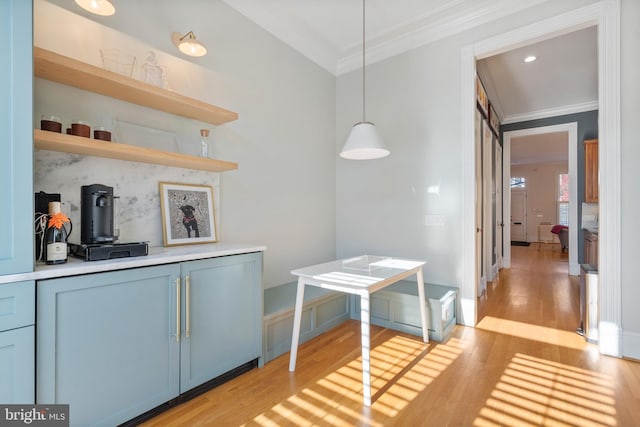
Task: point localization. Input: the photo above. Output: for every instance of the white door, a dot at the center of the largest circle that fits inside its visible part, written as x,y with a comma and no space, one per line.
487,210
499,214
480,280
519,214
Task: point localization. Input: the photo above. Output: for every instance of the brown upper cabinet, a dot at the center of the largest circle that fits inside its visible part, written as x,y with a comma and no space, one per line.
591,170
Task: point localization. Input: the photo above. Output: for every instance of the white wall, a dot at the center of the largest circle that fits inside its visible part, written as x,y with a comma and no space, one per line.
541,184
282,195
630,153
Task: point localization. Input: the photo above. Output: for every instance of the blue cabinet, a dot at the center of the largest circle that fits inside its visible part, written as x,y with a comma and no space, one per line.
17,355
106,343
115,345
222,325
16,137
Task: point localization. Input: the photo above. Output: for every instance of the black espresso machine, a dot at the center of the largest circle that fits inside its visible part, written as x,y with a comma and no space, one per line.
98,233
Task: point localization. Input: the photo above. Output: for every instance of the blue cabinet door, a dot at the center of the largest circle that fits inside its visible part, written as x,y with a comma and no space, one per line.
17,366
16,137
223,304
106,343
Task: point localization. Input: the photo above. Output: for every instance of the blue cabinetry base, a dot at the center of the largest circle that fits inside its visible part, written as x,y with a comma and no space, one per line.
395,307
323,310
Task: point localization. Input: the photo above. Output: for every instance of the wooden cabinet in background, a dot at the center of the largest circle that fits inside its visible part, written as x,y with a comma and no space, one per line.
590,247
591,171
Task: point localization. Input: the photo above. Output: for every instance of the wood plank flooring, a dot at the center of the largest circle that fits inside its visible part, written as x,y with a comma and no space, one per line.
523,365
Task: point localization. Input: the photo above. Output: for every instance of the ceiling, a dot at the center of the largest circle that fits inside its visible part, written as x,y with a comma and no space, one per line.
329,32
545,148
563,79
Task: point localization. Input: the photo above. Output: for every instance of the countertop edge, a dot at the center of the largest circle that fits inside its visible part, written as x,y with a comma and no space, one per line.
156,256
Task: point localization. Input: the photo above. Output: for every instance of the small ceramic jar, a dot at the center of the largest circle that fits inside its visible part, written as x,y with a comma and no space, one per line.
101,133
51,123
80,128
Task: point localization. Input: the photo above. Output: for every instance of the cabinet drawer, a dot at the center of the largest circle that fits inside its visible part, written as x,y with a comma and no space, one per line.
17,305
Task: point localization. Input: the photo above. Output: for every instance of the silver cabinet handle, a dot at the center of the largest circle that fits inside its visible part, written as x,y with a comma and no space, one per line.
177,309
188,306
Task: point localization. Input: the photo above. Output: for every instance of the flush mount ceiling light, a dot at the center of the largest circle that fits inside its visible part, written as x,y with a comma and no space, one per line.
530,58
188,44
99,7
363,142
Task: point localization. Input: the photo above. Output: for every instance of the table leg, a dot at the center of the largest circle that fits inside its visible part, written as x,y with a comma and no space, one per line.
297,318
423,307
366,351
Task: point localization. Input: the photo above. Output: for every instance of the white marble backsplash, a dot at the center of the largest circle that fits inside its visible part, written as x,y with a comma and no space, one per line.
135,183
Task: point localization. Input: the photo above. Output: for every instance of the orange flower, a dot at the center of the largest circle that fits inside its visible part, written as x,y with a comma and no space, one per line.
57,220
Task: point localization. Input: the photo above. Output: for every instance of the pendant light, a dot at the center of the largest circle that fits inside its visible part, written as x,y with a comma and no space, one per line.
99,7
363,142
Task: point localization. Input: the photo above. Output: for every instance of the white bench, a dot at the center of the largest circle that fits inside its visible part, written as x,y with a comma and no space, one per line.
394,307
323,310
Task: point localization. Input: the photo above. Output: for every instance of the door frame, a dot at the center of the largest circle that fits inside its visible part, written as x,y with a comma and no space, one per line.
604,14
487,221
572,139
499,222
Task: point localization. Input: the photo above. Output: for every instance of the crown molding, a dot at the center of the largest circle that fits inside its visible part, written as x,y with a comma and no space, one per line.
431,30
551,112
452,18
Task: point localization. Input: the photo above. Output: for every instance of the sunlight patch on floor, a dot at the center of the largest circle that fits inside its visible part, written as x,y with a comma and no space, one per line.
533,332
401,368
539,392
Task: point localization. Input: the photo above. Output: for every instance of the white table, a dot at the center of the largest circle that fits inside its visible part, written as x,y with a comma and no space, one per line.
359,276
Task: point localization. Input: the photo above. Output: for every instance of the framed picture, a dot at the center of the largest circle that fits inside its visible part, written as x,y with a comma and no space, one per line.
187,214
494,120
481,97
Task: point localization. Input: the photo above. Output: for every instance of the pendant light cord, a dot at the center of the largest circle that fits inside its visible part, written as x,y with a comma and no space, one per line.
363,77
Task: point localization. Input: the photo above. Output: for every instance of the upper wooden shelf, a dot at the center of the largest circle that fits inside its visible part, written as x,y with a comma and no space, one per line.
45,140
62,69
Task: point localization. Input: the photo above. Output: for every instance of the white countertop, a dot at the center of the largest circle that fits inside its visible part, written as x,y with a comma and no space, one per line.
157,255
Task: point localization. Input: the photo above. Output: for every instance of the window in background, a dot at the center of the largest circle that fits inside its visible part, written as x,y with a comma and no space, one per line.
563,199
517,182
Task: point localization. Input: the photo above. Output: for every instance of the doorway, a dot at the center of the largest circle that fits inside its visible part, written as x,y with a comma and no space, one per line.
571,130
606,16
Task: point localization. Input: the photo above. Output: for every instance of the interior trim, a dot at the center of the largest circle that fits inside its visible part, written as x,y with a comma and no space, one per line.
552,112
572,130
606,15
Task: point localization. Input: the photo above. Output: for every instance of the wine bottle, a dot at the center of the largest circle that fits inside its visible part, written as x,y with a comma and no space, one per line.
56,235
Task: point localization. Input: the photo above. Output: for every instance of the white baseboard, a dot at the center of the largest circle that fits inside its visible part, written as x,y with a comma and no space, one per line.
610,339
467,312
574,269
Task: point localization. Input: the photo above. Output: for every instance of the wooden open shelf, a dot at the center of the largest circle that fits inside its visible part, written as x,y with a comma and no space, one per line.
52,66
45,140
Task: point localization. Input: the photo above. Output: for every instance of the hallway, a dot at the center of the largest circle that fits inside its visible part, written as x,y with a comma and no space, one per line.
536,290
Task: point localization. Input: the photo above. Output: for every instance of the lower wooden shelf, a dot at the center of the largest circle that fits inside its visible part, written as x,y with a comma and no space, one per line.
53,141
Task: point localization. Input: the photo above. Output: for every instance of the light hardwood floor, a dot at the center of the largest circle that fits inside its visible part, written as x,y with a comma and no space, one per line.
523,365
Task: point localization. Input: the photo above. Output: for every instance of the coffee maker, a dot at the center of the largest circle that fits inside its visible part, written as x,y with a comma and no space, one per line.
98,229
96,213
